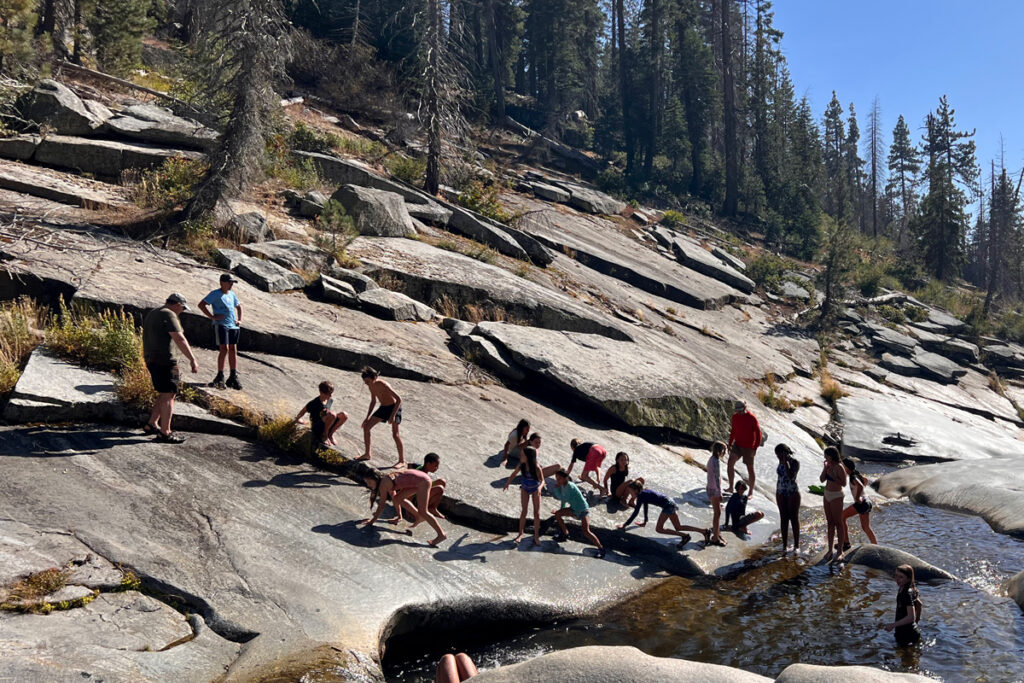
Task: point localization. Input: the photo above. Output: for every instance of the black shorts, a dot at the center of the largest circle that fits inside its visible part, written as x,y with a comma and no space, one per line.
225,336
862,508
384,413
165,376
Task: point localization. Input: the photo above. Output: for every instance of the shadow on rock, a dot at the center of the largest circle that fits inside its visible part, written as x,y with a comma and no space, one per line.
309,479
470,551
48,442
370,537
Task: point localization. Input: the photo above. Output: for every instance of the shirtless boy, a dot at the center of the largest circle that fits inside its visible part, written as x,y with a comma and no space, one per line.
390,411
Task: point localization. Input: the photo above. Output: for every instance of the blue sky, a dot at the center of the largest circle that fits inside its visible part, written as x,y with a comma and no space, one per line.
908,53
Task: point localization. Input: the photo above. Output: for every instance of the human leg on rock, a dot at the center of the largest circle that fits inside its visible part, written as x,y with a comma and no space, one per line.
748,460
455,668
368,424
585,526
423,514
678,528
730,467
398,442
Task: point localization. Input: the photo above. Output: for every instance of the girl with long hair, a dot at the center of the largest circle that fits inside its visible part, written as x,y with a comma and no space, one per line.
834,477
908,607
861,505
530,486
401,486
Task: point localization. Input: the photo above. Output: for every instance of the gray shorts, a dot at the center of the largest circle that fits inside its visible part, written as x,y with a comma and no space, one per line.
581,515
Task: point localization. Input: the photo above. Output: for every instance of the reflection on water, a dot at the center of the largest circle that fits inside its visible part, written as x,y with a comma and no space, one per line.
786,610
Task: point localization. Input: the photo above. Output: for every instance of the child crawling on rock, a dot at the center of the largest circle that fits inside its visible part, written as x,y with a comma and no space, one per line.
570,495
669,512
402,486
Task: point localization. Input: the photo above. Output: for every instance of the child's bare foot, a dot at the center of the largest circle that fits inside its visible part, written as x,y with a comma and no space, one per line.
331,441
437,514
364,456
515,541
719,541
400,465
437,540
828,556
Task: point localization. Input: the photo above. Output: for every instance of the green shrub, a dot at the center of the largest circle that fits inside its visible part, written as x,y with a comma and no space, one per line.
336,231
484,200
308,139
407,169
673,219
768,271
170,184
915,313
893,314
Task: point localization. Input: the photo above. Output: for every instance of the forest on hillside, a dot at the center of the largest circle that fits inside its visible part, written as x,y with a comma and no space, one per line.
685,104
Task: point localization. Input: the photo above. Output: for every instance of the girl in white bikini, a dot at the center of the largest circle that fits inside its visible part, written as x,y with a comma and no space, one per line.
834,476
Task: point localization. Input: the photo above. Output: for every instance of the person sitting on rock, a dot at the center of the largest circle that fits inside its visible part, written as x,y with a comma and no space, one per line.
615,480
736,517
570,495
431,463
669,512
455,668
530,486
534,442
714,490
323,423
390,411
516,440
160,327
592,455
227,317
401,486
745,438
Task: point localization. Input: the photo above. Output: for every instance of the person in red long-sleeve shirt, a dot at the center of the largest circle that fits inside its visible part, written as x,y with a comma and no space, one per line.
744,440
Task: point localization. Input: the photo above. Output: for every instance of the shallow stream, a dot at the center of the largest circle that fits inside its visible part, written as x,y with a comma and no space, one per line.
785,610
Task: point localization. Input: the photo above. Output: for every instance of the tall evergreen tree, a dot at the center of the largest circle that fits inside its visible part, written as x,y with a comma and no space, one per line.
904,165
117,27
836,178
17,19
876,172
730,205
854,167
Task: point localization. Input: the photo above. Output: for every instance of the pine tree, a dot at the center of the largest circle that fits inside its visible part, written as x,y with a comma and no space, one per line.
904,165
730,205
117,27
836,178
876,172
951,169
839,260
17,20
854,167
1003,222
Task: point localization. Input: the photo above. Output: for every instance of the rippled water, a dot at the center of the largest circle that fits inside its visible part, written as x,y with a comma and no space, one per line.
785,610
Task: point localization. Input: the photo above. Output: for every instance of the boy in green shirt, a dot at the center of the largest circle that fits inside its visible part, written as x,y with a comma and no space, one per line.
570,495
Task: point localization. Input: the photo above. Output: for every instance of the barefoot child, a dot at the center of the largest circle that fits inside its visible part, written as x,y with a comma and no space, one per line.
401,486
516,440
570,495
669,512
529,489
431,463
592,455
714,490
908,608
861,505
390,411
616,478
736,516
323,423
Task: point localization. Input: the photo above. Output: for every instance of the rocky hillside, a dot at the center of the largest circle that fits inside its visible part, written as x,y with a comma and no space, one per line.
586,316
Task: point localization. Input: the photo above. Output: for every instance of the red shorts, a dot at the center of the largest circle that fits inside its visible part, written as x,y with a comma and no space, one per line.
594,458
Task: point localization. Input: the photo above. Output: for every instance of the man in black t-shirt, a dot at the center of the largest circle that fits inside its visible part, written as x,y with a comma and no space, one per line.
322,422
160,328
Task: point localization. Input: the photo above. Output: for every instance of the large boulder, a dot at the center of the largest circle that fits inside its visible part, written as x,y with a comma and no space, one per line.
604,664
161,127
945,321
19,147
1006,359
946,345
877,427
994,491
339,171
432,213
590,200
886,339
812,673
476,227
359,281
389,305
691,254
267,275
376,212
887,559
55,106
900,365
938,368
290,254
551,193
1015,588
106,158
246,228
337,291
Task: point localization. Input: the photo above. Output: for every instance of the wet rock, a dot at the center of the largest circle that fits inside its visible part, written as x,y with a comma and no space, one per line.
54,105
601,663
376,212
266,275
389,305
169,130
993,490
889,340
550,193
938,368
811,673
434,275
118,636
640,388
105,158
887,559
895,428
337,291
290,254
1015,588
247,228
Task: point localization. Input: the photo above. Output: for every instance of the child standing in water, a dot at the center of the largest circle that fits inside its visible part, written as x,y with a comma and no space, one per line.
908,608
834,477
529,489
714,490
787,495
861,505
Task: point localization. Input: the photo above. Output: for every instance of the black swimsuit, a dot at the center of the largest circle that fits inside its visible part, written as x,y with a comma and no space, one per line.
617,478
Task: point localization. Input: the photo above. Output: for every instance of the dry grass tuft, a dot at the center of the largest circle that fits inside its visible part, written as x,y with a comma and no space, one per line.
21,326
831,389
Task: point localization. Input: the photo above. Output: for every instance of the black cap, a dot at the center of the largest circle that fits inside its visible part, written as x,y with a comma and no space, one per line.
227,277
177,299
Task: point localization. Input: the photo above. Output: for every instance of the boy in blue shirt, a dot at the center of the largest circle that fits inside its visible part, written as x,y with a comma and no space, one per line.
570,495
226,316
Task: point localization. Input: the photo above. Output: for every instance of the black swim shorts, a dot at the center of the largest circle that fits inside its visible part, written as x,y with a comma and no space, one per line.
165,377
384,413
